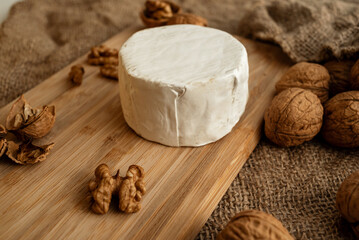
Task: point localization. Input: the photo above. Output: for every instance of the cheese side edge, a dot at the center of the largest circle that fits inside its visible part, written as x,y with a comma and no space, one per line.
189,115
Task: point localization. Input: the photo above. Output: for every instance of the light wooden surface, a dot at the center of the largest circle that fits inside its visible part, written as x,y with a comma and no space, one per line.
50,200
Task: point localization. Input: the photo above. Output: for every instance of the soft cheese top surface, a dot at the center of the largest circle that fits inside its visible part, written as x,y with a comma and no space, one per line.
181,54
183,85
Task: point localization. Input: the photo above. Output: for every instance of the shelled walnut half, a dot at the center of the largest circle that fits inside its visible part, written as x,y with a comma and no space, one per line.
102,188
30,122
253,224
132,189
109,71
129,189
76,73
102,55
27,153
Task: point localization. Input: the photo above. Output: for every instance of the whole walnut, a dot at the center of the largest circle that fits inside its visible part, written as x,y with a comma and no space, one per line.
310,76
339,76
253,224
348,199
294,116
341,120
354,76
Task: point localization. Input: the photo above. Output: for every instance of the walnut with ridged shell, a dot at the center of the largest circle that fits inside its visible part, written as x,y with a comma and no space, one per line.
254,225
309,76
347,200
341,120
294,116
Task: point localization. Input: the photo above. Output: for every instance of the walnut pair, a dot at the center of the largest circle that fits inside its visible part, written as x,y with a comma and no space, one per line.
129,189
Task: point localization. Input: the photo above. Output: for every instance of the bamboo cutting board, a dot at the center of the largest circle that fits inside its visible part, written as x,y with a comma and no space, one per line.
49,200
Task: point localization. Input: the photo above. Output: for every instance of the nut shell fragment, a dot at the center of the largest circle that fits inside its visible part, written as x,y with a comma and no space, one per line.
341,120
3,146
253,224
294,116
187,18
27,153
30,122
42,125
348,198
157,13
309,76
131,190
14,119
3,131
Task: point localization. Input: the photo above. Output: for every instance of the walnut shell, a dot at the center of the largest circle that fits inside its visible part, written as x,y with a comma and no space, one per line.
3,131
310,76
3,146
348,199
354,76
30,122
341,120
253,224
294,116
339,76
187,18
42,125
159,19
27,153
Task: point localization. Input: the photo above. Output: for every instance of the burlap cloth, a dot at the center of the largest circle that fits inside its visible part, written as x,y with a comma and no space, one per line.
297,185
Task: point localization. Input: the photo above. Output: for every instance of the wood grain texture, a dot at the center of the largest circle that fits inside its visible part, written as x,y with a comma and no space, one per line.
50,200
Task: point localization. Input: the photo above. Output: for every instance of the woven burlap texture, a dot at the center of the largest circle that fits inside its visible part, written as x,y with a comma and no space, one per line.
306,30
297,185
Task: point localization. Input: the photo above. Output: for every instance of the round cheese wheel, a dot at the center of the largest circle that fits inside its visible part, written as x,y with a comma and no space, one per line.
183,85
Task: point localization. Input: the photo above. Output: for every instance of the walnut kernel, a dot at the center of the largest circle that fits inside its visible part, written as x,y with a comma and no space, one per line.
157,13
294,116
347,200
341,120
27,153
129,189
187,18
132,189
101,55
309,76
102,188
109,71
253,224
76,74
